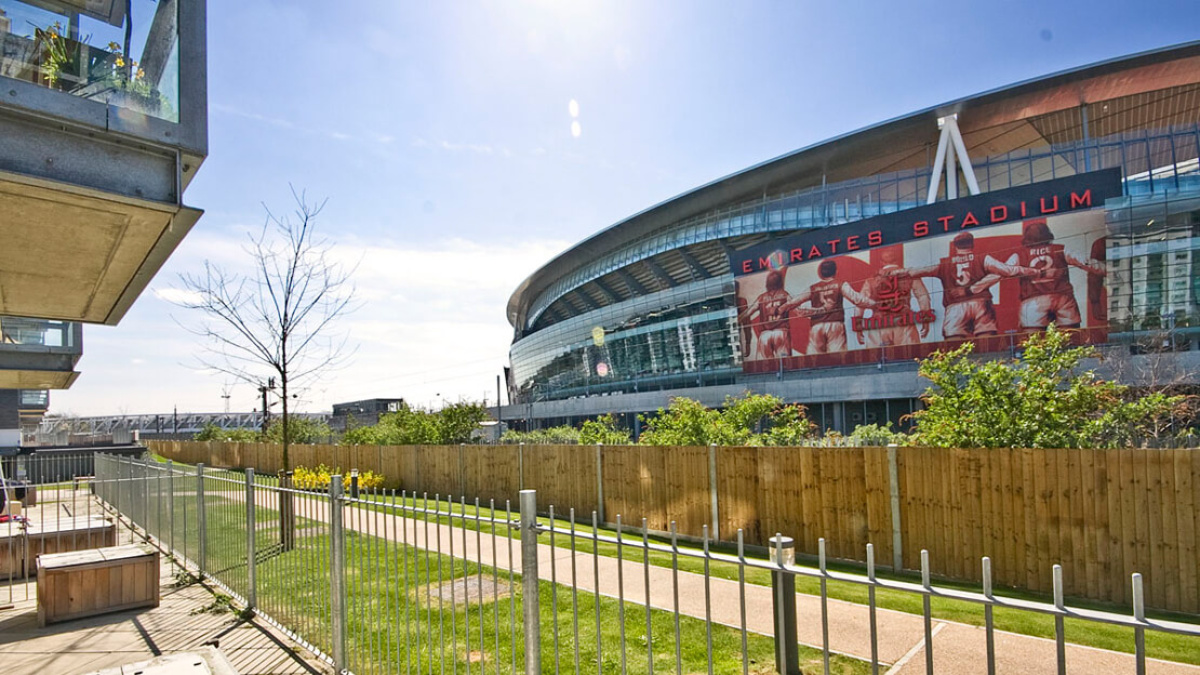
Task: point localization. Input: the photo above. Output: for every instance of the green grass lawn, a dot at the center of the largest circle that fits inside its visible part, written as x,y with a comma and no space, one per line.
396,621
1159,645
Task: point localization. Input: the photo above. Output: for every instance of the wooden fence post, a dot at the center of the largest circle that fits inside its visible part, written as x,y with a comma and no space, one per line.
600,482
462,470
712,491
894,488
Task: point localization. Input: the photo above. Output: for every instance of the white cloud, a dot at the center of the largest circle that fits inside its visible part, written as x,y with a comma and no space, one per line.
452,146
178,296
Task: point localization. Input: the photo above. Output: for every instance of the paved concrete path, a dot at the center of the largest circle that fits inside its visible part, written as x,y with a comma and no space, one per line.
112,640
957,648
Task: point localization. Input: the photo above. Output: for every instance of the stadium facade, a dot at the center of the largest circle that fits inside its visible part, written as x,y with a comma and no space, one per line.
821,275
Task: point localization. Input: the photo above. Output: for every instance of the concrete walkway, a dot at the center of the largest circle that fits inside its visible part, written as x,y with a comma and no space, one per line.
184,621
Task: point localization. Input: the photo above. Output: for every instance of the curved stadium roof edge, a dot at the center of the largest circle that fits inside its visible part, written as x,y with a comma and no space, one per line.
758,177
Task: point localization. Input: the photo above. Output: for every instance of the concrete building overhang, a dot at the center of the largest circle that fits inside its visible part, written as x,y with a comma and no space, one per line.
80,254
37,379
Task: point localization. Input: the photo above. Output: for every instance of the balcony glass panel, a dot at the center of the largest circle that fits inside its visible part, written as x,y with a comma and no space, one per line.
120,52
18,332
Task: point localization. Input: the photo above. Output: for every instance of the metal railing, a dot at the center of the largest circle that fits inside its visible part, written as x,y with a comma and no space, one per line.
383,581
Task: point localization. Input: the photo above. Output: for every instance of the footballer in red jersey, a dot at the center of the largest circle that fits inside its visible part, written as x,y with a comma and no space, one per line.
893,296
1049,297
965,278
772,308
828,331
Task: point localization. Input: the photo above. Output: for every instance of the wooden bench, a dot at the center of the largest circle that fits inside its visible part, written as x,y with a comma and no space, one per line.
86,583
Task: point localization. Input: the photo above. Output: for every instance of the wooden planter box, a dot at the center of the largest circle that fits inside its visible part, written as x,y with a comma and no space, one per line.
86,583
12,552
62,535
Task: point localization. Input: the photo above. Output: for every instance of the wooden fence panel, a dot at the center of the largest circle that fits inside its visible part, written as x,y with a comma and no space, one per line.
779,495
686,491
878,495
625,472
563,475
492,472
1101,514
1109,539
1184,484
738,494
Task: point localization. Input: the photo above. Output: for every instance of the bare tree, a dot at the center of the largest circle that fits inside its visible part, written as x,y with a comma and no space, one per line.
280,319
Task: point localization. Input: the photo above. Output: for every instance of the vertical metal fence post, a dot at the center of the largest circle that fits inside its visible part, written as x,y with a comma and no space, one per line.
529,581
1060,638
894,486
146,498
712,490
988,619
337,573
171,505
202,520
251,548
1139,633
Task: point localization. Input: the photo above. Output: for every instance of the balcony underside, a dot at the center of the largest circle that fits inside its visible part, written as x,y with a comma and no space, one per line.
37,379
79,254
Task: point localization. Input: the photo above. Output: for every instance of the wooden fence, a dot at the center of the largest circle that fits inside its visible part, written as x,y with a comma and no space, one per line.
1101,514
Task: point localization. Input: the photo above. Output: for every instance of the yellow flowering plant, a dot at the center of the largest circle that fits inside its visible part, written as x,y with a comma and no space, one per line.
304,478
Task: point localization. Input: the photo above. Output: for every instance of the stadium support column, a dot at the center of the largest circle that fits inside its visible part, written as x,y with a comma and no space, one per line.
951,153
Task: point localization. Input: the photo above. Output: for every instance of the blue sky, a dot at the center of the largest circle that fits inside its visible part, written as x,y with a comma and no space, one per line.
442,137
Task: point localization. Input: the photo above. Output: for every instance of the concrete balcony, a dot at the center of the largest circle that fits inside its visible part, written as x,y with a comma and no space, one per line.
39,354
103,124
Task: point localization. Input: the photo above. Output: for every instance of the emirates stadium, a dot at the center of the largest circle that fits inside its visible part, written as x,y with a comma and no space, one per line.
823,275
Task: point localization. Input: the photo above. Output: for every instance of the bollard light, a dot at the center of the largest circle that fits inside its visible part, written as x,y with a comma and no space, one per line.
785,546
783,604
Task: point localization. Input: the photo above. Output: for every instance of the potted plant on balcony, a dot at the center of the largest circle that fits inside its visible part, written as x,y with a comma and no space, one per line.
58,56
129,88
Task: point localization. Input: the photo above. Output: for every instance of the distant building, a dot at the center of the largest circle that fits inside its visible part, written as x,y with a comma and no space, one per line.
362,413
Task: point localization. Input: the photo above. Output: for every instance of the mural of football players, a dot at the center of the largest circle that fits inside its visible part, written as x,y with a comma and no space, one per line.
1049,297
772,308
965,278
893,295
828,331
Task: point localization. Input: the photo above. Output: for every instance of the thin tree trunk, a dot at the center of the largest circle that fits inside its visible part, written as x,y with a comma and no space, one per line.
287,427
